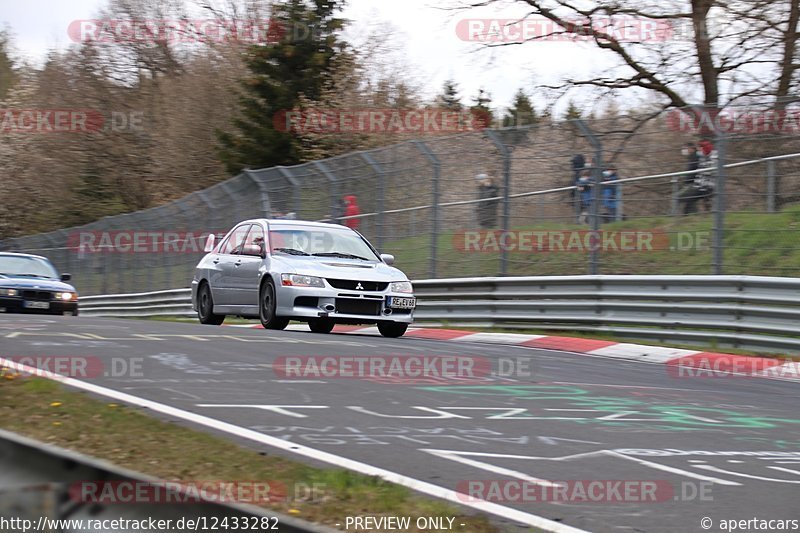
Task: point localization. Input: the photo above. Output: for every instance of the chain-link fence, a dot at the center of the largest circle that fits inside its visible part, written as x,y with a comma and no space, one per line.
622,195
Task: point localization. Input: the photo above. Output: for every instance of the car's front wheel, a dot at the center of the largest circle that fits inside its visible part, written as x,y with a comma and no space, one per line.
392,329
321,325
267,308
205,307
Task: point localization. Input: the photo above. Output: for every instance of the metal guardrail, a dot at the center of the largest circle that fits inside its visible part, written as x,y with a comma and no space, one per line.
748,312
174,302
37,482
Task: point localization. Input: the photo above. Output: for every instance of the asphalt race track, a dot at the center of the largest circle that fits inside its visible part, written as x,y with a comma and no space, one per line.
571,419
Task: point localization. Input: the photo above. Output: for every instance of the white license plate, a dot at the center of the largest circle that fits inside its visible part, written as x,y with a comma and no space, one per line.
402,303
37,305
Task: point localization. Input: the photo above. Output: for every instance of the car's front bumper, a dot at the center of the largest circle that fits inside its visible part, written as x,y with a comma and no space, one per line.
341,305
55,307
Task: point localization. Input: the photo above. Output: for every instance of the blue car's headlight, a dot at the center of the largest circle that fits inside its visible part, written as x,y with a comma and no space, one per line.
9,292
298,280
402,286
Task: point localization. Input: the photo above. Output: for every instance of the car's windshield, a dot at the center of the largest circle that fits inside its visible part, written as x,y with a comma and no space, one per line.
320,242
30,267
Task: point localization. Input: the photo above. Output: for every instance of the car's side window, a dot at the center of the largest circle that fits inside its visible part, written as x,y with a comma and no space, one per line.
233,245
256,237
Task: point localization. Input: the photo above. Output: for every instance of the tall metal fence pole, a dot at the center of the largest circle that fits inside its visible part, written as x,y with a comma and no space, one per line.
379,225
597,174
435,214
771,188
262,188
506,155
333,191
719,205
297,200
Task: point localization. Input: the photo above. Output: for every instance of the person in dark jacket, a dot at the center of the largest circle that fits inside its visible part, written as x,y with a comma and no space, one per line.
688,195
487,210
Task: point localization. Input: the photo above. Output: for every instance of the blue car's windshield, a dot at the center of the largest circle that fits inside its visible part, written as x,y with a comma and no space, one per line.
14,266
320,242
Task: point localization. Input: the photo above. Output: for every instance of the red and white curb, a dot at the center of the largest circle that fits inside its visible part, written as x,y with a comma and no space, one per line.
681,363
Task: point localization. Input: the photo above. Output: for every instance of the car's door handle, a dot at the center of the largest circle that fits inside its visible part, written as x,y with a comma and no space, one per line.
215,261
237,263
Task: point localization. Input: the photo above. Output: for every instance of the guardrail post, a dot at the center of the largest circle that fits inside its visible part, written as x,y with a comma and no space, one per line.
506,155
771,189
435,212
379,223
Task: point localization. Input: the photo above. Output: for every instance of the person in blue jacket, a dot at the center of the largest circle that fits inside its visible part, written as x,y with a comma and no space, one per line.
610,194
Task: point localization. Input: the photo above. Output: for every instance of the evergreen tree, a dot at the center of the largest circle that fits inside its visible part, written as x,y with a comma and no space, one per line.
449,99
521,112
282,74
573,112
481,110
7,74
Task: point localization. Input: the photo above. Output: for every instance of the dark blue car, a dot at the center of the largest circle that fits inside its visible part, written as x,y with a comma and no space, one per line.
31,284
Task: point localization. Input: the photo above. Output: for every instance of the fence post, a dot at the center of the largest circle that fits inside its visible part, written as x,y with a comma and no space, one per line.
379,224
435,213
506,155
675,192
297,201
771,189
620,214
262,188
333,191
719,205
597,171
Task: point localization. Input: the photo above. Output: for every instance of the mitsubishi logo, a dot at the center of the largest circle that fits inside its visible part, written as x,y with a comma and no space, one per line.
359,287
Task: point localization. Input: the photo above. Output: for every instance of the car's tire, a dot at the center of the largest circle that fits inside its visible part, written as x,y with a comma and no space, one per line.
267,304
321,325
392,329
205,307
75,312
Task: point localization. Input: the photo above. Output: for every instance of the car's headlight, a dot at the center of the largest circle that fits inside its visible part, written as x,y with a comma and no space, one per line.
9,292
66,296
402,286
298,280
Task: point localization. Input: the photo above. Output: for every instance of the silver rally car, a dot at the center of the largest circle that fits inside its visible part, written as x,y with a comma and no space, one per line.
282,270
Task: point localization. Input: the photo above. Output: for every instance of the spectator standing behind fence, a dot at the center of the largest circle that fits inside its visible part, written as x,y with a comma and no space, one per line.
487,209
351,209
706,180
584,186
578,166
610,194
688,195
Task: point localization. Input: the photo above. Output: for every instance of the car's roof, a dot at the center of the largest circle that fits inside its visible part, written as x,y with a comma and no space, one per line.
17,254
289,222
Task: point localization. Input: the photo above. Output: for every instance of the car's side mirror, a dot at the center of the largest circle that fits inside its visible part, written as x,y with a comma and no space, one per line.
211,241
388,259
252,249
66,276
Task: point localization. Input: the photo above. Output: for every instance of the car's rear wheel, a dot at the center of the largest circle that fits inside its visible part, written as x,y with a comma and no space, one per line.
321,325
267,308
392,329
205,307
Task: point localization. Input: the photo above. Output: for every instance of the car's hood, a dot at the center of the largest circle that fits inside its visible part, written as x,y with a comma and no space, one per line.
327,267
31,283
